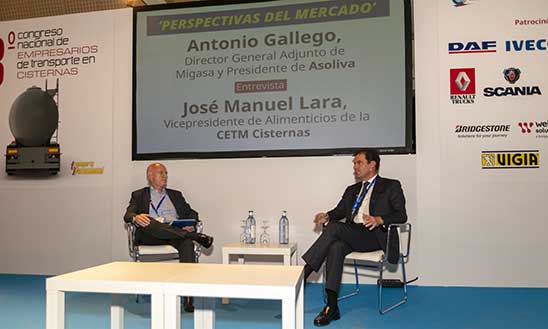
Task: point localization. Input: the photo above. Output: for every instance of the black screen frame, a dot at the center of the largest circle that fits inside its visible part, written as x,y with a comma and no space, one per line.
409,148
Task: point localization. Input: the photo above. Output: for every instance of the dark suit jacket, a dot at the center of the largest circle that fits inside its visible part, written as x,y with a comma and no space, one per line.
140,203
386,201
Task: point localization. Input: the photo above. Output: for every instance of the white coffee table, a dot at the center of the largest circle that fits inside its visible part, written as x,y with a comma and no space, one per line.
241,249
206,281
287,251
166,282
114,278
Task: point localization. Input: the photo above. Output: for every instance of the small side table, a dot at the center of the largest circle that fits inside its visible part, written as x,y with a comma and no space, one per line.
241,249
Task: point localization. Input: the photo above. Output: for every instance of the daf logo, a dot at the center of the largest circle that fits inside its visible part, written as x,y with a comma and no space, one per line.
512,74
462,81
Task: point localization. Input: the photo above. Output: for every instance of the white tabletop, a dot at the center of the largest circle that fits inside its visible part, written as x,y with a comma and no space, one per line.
191,273
259,248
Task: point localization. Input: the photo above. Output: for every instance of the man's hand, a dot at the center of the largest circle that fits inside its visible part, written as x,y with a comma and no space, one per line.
372,221
141,220
321,218
188,228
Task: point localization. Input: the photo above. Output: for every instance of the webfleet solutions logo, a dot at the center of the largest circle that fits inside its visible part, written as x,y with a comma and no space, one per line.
510,159
537,128
462,84
526,127
511,75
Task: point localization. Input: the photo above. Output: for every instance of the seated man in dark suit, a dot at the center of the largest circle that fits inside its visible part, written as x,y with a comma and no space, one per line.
152,208
368,207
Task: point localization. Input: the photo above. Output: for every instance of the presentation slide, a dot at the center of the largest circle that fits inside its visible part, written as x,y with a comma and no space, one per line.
271,78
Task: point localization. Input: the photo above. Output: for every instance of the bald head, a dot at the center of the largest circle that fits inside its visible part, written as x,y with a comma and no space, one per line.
157,176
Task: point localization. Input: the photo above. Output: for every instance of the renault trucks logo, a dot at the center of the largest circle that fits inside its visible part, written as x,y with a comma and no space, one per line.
471,47
459,3
462,85
511,75
510,159
525,127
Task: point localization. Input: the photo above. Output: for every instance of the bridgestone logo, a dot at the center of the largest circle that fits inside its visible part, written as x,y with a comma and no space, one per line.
482,128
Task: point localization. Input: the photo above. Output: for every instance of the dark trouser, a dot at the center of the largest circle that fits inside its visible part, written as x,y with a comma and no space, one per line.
157,234
336,241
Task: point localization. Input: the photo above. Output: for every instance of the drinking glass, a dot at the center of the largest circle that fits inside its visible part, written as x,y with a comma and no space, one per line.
242,235
265,237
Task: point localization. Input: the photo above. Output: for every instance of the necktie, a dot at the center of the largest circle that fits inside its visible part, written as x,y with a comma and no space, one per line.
359,199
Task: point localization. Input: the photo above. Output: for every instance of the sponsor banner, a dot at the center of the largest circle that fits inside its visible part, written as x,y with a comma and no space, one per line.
492,78
510,159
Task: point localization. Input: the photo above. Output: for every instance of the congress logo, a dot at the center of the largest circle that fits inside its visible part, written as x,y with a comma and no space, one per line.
462,84
510,159
525,127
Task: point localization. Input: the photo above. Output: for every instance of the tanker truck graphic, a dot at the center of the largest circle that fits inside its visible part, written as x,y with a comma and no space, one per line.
34,122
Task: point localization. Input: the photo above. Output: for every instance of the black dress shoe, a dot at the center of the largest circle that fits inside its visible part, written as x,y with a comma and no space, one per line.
187,305
205,240
326,316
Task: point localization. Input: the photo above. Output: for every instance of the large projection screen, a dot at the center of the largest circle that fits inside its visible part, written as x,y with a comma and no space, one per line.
271,78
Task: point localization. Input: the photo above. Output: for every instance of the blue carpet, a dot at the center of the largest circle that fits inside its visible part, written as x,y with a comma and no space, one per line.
22,306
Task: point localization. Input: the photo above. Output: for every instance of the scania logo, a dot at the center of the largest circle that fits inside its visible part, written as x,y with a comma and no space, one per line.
525,127
512,74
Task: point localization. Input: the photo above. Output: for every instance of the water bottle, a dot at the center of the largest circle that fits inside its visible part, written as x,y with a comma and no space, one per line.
284,228
250,228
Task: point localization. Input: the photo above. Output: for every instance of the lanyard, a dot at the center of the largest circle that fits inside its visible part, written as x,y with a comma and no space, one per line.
362,195
157,208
